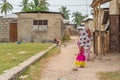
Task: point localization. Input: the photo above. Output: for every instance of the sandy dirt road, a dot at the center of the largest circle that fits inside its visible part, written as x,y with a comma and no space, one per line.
60,67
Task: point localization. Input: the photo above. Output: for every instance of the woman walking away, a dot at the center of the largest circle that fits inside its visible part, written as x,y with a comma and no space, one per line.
83,44
85,41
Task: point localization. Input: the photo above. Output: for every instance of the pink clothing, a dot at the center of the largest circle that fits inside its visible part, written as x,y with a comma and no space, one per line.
81,56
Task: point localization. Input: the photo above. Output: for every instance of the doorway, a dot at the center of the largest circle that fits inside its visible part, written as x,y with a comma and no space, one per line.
13,32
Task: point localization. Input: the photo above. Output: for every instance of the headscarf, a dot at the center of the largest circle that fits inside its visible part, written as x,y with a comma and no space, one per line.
84,40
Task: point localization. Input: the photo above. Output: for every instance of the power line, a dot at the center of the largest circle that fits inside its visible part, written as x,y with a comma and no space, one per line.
60,5
86,6
70,5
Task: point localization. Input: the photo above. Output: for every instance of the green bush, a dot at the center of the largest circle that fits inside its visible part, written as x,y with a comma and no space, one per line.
66,37
109,75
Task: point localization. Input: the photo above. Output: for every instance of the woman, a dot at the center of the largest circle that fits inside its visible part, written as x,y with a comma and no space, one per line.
84,41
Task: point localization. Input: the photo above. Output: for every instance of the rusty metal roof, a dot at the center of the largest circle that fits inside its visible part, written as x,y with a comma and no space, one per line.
105,16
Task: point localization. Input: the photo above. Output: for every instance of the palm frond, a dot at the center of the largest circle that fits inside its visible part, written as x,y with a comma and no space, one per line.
6,7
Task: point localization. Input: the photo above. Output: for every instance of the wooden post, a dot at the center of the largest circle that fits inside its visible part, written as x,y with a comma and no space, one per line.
95,26
95,18
99,38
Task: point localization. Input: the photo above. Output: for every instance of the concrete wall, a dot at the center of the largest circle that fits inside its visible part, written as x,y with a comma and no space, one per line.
4,28
114,8
25,27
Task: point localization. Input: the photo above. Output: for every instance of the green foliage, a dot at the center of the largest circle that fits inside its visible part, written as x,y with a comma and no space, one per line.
65,12
66,36
11,54
77,18
34,71
36,5
6,7
109,75
43,5
25,6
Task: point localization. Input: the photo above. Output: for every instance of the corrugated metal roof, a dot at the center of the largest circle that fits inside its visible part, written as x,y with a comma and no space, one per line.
49,12
88,18
10,16
41,12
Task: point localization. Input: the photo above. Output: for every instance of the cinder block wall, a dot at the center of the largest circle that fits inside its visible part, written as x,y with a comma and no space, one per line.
25,26
4,28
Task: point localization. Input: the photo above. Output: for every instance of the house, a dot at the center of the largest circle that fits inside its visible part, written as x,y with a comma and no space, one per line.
40,26
70,28
107,26
115,26
88,23
36,27
80,26
6,28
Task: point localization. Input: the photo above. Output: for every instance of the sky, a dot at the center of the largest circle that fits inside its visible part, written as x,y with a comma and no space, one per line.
82,6
72,5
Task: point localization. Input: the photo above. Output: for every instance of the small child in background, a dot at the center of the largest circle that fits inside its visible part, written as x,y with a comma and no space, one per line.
80,59
57,41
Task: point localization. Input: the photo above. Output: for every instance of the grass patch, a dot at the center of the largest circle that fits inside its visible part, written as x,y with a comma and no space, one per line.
33,72
12,54
109,75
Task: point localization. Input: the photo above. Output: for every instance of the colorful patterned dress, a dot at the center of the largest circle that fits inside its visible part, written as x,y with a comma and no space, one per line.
84,41
80,59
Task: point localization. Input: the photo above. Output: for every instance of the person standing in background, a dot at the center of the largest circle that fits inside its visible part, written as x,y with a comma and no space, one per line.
58,42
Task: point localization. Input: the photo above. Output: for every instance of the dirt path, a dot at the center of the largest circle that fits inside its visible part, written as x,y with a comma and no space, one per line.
60,67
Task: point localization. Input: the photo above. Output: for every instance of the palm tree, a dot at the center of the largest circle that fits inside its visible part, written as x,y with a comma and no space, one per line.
36,5
25,5
65,12
77,18
44,5
6,7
